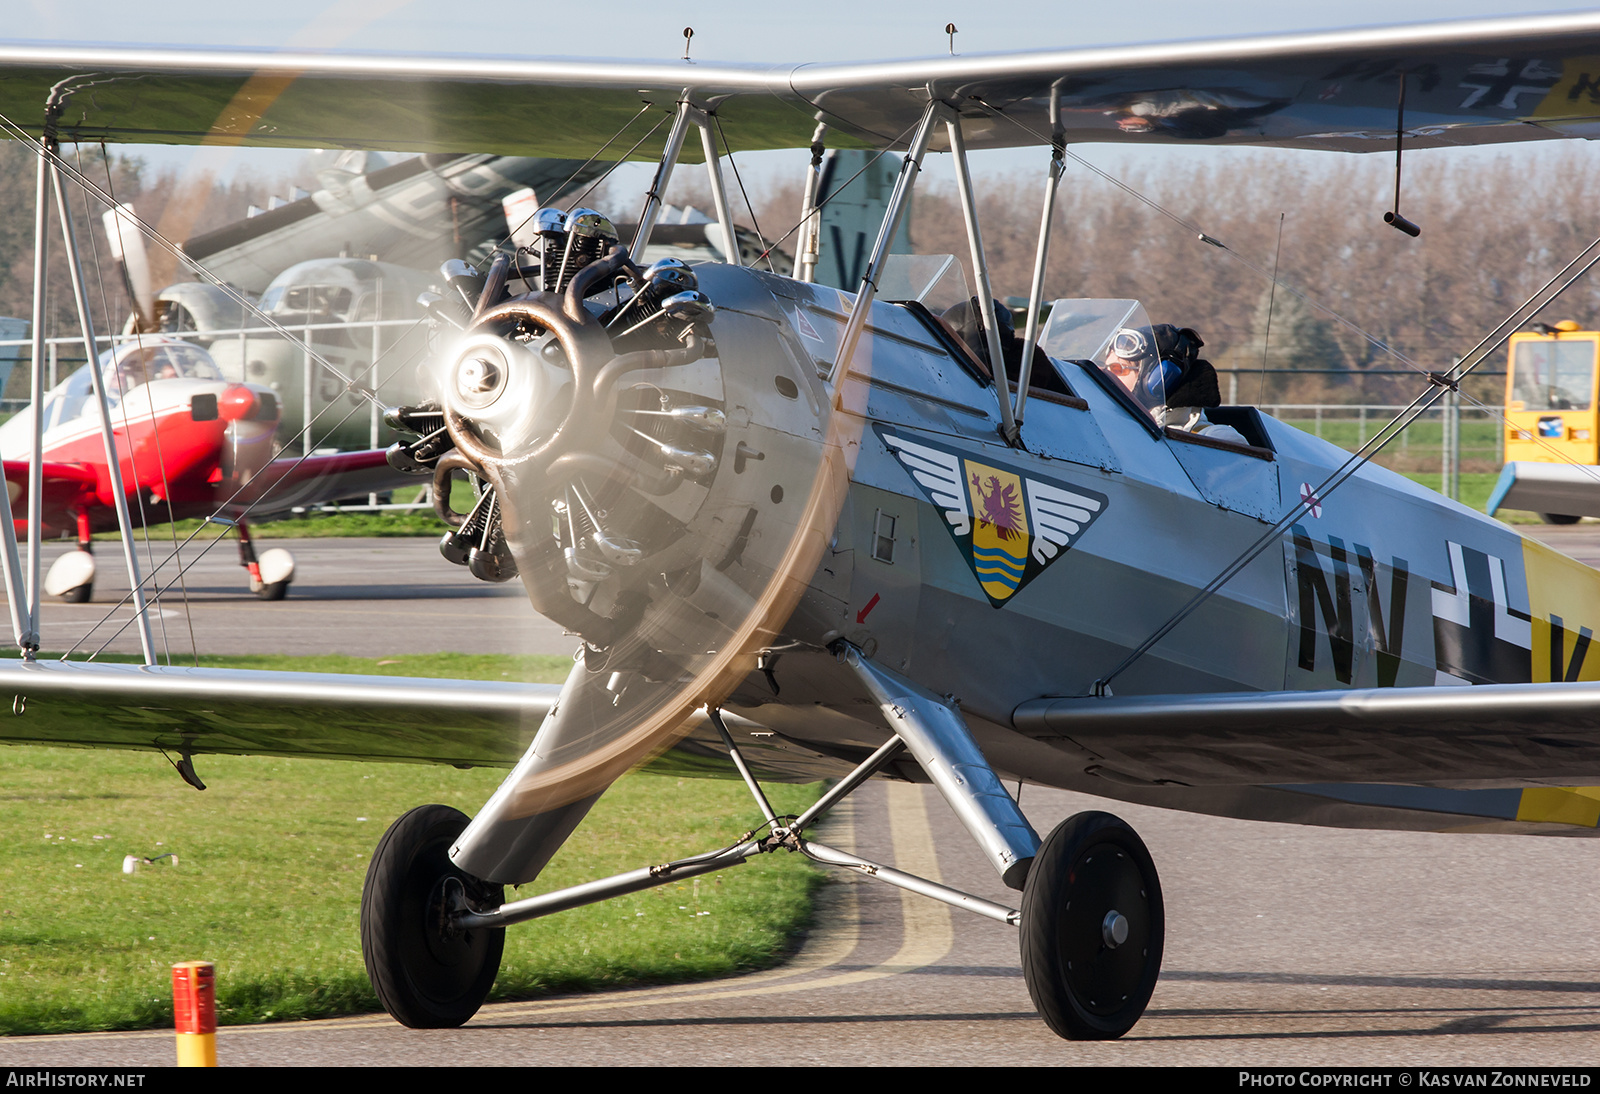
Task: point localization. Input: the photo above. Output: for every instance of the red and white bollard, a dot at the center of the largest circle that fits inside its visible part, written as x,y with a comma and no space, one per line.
194,1011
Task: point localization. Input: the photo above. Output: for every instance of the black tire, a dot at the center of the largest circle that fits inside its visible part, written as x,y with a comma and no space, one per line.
276,591
1085,988
425,978
1559,518
78,595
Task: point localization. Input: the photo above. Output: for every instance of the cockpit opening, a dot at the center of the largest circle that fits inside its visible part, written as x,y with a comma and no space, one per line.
1157,365
125,368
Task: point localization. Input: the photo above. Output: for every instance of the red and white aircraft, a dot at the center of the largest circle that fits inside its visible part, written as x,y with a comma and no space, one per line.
190,444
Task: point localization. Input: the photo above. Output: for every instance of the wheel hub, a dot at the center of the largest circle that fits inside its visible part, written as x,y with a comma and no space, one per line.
1114,929
1105,931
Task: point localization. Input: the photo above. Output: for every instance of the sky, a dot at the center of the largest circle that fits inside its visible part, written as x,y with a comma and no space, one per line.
725,30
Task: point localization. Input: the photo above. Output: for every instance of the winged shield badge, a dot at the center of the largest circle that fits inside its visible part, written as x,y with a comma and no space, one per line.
1009,525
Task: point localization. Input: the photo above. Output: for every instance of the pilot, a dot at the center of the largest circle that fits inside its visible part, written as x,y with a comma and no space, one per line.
1160,366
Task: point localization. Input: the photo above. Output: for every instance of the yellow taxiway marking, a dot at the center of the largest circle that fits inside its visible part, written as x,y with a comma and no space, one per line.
927,933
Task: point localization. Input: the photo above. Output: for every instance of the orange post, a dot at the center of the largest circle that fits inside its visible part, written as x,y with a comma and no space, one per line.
194,1010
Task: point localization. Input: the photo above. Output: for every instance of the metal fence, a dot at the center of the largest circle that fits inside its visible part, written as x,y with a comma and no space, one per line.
1444,436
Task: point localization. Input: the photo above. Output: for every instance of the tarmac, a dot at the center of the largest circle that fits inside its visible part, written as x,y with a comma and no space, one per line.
1286,946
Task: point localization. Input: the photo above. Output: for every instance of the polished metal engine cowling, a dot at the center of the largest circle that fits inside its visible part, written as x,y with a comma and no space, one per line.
650,501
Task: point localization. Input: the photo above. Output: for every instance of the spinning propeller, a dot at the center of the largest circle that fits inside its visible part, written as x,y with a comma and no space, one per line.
624,440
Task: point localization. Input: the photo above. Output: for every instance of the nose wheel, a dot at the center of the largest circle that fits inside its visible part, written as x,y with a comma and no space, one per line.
271,573
428,974
1092,928
71,577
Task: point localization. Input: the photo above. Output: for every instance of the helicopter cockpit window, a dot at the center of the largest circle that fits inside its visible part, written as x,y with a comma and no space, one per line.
1556,375
318,303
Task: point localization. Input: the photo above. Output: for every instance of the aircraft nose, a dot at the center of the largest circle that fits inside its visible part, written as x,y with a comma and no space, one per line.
241,403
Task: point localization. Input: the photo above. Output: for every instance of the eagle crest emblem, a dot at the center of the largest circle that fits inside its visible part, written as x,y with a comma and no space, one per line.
1009,525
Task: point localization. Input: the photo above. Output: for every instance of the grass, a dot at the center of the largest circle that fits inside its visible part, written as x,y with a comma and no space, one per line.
318,524
1426,435
526,668
270,864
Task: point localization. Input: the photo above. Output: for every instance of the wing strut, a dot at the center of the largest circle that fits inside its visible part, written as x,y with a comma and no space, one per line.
1030,336
24,607
41,240
880,250
669,160
980,271
810,216
719,190
689,114
80,296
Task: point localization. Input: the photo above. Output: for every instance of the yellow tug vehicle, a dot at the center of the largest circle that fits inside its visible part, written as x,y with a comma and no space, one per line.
1552,437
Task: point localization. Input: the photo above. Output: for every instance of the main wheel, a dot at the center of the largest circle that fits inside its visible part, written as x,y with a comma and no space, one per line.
1092,928
427,975
1559,518
78,594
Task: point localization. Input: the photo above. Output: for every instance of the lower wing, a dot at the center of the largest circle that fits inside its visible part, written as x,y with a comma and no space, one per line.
317,479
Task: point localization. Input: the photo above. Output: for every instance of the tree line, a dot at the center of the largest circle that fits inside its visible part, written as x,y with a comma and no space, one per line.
1351,294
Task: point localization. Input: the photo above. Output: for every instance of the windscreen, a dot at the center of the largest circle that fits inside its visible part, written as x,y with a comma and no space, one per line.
1553,375
1117,336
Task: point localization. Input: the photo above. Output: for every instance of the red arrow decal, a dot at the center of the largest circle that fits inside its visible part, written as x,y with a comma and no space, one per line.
861,616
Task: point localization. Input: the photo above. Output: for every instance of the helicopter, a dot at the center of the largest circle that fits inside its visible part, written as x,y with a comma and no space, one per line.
804,532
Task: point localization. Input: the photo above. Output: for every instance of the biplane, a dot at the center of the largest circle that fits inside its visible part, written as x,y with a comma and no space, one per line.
805,532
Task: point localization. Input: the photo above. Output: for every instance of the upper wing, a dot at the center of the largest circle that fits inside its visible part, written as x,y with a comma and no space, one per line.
1466,82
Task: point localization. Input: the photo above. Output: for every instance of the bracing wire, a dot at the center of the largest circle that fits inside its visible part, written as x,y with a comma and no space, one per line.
122,401
183,568
1424,401
766,251
573,204
557,192
1438,384
16,132
107,197
1272,299
837,190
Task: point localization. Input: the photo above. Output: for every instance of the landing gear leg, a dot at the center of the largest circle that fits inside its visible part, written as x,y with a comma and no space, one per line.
71,576
429,972
271,574
1092,928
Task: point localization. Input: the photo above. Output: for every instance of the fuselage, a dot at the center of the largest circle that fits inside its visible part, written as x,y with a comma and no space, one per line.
1381,583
